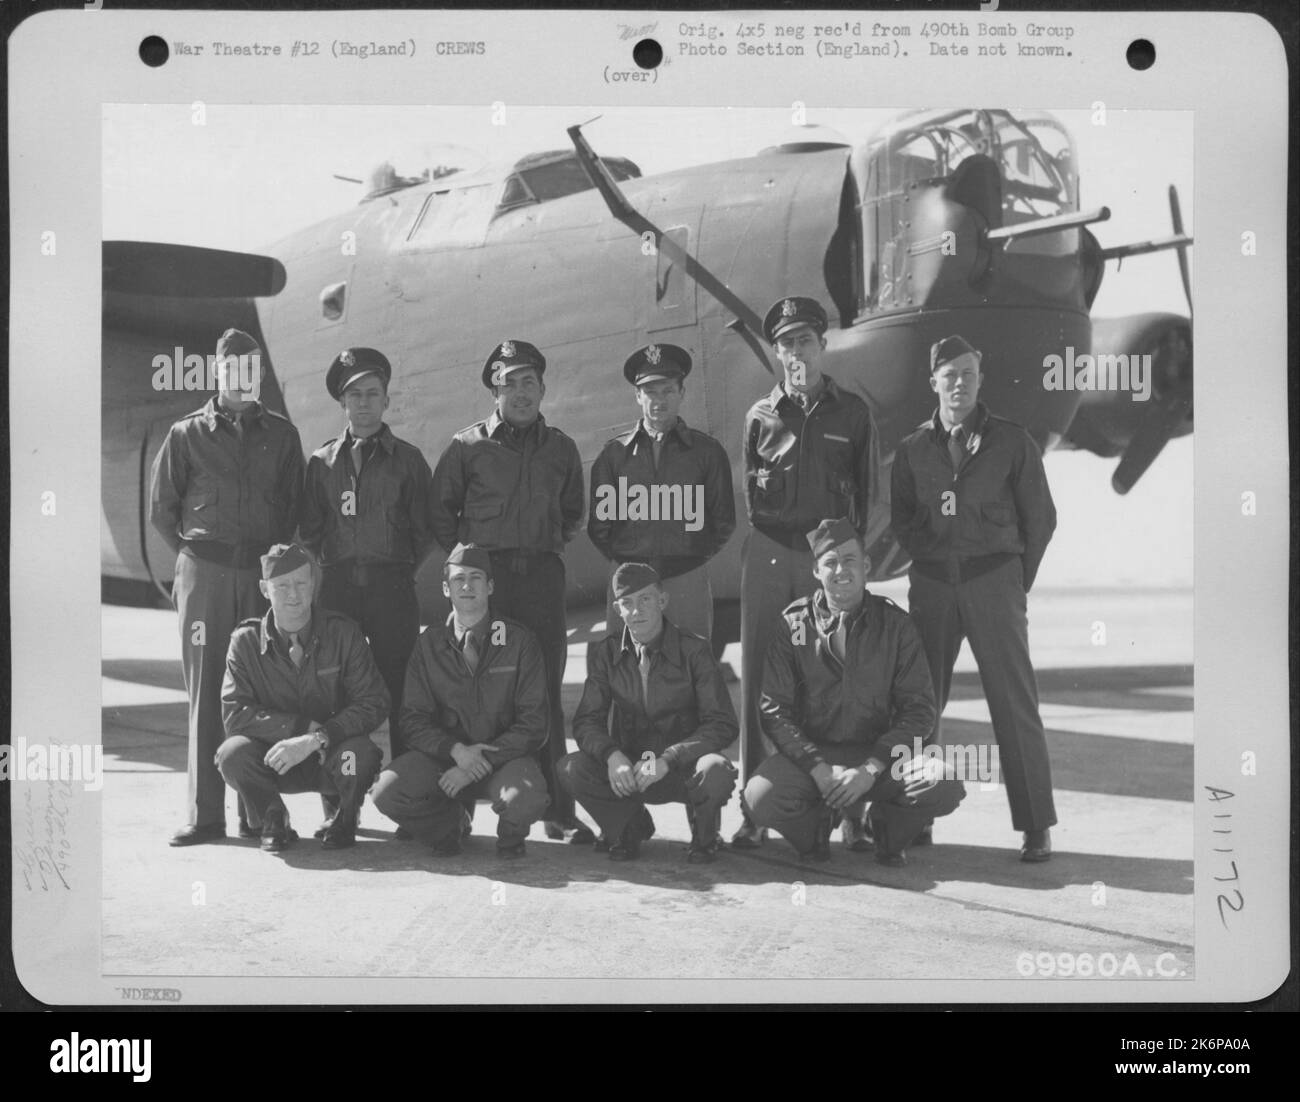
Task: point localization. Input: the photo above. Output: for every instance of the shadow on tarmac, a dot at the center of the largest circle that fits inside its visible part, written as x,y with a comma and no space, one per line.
557,865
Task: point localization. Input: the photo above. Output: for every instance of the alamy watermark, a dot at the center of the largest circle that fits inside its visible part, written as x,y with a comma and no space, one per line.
53,762
637,502
177,370
1124,371
969,762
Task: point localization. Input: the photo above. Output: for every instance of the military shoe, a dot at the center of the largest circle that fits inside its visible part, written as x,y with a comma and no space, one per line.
856,835
749,836
703,853
197,835
277,835
821,847
1037,846
887,853
340,834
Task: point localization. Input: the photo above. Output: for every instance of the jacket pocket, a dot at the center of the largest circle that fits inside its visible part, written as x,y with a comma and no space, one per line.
769,493
397,521
201,514
480,521
871,716
999,524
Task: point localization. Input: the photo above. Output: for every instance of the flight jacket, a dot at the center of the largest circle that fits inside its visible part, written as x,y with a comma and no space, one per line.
688,458
502,706
387,517
878,698
688,713
1001,504
265,697
503,489
218,480
802,468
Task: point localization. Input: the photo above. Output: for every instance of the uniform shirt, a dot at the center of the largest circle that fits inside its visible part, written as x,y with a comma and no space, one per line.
226,478
266,697
388,517
879,697
1001,502
686,714
503,489
502,706
801,468
687,458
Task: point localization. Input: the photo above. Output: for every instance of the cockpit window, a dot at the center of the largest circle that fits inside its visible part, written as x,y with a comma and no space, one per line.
541,177
455,218
1034,153
386,177
1026,170
567,177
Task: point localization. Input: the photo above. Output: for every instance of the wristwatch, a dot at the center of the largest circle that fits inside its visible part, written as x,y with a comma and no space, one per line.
321,741
873,768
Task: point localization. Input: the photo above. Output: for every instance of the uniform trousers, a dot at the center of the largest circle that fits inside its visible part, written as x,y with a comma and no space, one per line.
705,789
210,601
346,773
408,793
990,611
389,616
690,603
771,576
530,588
783,796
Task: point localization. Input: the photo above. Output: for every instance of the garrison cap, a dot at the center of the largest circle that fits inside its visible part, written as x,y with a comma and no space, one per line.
790,313
471,555
351,364
235,342
508,356
284,558
655,362
948,349
632,577
829,534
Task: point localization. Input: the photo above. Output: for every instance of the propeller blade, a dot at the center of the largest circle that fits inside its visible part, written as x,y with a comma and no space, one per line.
1153,433
1176,216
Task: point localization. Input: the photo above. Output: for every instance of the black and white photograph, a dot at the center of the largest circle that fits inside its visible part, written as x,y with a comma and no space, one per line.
653,544
914,273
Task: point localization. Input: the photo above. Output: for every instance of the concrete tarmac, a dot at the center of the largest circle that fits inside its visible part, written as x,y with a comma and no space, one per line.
1115,677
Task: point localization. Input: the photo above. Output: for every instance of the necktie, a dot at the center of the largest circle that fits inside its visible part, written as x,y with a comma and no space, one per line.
645,674
839,637
657,444
295,651
470,650
957,446
360,453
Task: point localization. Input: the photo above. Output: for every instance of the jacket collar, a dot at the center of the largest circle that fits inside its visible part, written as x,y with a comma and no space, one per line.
669,645
345,440
679,430
824,616
830,392
496,422
269,633
479,630
977,422
213,413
